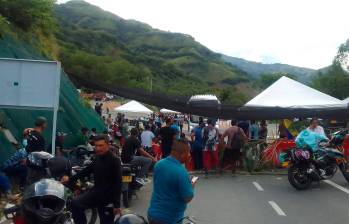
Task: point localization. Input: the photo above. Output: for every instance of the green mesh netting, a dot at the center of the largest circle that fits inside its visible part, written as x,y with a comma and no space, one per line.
72,114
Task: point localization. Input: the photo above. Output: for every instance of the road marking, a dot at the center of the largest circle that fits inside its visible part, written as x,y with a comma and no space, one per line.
277,208
259,187
333,184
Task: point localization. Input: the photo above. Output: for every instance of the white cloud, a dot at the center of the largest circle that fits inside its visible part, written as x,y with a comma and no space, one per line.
299,32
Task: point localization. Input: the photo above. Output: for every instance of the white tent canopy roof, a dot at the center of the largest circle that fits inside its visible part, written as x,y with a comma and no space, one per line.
203,97
166,111
287,93
346,100
133,109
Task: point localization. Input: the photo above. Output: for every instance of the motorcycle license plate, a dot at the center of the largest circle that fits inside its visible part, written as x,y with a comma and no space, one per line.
284,164
126,179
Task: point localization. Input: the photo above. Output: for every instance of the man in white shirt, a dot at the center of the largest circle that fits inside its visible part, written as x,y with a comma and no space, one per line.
315,127
147,137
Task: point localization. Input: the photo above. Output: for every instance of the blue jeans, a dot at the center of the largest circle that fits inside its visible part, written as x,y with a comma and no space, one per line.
91,199
19,172
197,156
5,184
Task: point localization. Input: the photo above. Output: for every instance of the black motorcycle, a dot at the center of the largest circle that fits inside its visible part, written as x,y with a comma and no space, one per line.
44,202
305,166
129,183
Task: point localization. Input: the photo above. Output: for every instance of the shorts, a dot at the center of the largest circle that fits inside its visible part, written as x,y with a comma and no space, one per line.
231,154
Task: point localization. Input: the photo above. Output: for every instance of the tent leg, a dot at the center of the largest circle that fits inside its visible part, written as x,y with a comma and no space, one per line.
54,129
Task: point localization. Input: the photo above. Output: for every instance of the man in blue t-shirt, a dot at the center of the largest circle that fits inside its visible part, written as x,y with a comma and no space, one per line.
172,187
196,137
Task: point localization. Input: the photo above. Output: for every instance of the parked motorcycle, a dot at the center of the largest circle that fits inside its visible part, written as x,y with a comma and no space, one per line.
44,202
129,183
305,166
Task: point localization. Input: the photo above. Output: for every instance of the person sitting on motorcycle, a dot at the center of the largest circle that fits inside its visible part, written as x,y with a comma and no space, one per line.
16,166
106,170
133,146
315,127
35,140
147,138
5,186
310,137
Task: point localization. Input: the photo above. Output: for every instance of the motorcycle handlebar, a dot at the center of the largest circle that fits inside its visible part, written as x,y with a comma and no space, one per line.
11,211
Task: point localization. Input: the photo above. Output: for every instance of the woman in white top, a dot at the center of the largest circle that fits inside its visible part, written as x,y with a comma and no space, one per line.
315,127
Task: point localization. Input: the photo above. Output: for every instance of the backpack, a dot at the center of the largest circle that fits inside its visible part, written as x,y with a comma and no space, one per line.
207,142
238,140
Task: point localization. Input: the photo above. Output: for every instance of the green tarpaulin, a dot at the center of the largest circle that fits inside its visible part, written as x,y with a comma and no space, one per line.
72,113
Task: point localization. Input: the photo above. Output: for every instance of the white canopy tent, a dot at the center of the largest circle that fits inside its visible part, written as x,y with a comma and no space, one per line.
166,111
346,100
133,110
204,98
287,93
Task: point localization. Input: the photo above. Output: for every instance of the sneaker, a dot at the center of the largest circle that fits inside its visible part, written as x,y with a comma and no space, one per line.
140,181
146,180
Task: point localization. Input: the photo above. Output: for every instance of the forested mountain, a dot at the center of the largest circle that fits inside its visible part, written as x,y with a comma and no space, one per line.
97,46
100,46
257,69
334,80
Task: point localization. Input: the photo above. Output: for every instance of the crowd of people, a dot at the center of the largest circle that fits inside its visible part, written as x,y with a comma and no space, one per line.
145,143
159,143
214,150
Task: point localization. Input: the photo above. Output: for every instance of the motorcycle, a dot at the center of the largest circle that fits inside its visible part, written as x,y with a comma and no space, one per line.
44,202
129,183
306,166
42,166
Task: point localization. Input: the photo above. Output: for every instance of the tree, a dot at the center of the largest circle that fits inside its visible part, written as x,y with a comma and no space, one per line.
268,79
334,82
342,57
29,14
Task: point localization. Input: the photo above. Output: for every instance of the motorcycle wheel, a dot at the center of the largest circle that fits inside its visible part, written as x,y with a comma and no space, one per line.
297,180
344,169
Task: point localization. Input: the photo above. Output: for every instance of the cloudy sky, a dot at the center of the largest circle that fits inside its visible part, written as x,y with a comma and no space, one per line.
298,32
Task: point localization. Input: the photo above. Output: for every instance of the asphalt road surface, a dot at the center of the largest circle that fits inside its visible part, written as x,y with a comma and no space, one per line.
262,199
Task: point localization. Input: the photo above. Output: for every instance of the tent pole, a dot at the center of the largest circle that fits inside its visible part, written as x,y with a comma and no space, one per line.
54,129
55,108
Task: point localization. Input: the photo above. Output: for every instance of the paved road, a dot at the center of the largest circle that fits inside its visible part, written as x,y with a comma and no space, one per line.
263,199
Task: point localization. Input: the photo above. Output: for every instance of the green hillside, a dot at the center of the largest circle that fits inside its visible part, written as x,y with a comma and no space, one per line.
100,46
257,69
32,43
